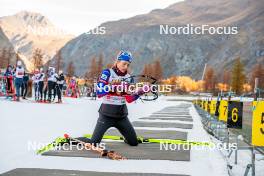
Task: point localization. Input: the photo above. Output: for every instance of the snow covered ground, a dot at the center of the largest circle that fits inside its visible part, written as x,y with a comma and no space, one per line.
243,159
24,123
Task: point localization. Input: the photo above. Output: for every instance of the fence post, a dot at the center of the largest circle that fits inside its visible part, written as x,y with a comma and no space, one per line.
253,161
236,151
256,89
253,156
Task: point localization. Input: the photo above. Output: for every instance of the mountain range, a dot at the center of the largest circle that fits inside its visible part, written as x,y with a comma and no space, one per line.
27,31
179,54
6,45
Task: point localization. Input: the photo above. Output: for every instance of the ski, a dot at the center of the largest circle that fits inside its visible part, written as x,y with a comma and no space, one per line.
110,154
50,146
152,140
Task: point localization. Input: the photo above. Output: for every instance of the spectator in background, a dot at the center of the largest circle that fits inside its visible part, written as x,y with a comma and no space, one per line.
19,74
9,79
51,83
41,83
25,85
60,81
45,88
35,79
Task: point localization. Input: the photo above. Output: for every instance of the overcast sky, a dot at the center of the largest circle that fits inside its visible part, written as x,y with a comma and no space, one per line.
78,16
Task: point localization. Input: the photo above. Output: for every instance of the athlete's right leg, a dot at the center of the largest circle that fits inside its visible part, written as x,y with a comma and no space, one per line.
102,125
126,129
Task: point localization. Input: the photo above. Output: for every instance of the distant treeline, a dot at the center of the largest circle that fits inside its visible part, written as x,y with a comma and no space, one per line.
235,80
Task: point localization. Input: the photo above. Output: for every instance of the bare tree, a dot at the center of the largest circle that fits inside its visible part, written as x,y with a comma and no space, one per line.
92,69
37,59
99,65
238,77
257,72
58,61
70,69
157,70
3,58
109,65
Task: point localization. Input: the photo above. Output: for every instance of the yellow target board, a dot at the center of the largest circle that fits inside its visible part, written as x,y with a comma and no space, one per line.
205,105
213,107
223,110
200,103
208,106
258,123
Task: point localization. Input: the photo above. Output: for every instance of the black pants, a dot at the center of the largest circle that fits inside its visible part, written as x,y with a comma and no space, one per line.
24,89
40,89
9,85
104,123
59,90
51,88
36,90
55,90
45,92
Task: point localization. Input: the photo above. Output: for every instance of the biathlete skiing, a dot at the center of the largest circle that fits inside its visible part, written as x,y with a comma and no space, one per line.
113,110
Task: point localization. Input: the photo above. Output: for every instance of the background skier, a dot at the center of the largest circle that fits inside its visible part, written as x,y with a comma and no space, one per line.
35,79
25,85
51,82
41,83
9,79
59,87
19,74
